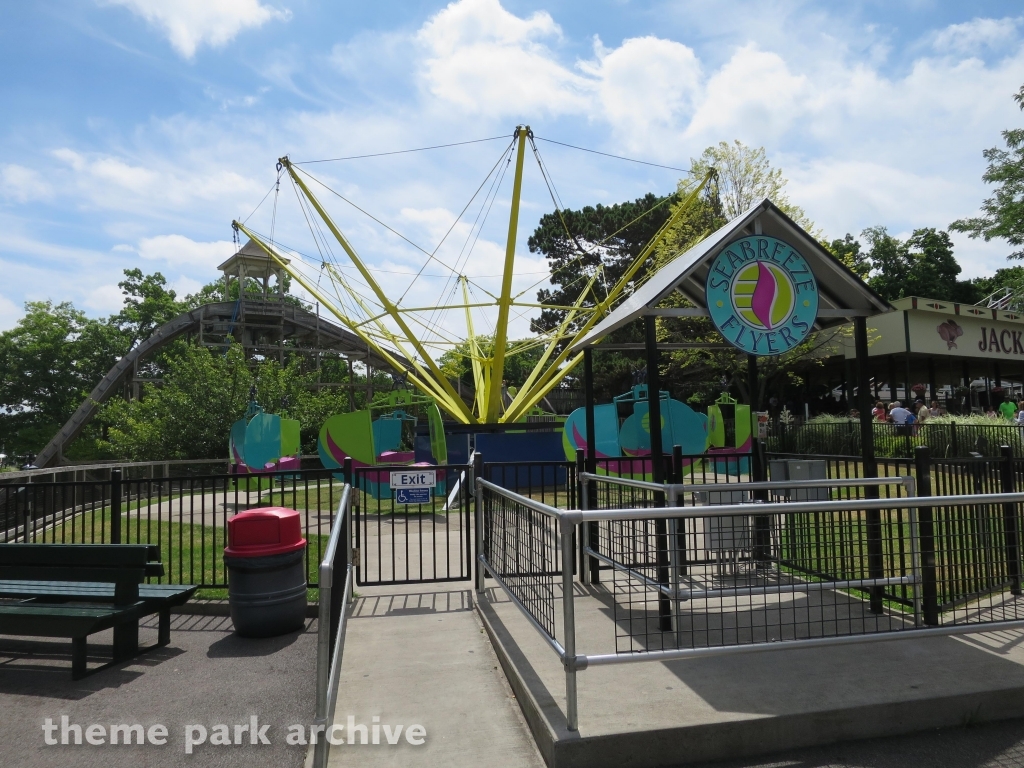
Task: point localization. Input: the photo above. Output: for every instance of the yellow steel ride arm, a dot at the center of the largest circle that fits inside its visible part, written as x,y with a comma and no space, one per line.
553,373
422,384
452,402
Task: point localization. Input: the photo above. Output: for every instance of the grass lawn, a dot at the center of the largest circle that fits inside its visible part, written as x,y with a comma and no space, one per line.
191,554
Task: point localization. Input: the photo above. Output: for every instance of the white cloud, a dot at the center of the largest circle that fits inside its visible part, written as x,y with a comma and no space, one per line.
185,285
485,60
644,87
23,184
180,251
972,36
189,24
754,97
10,313
156,186
105,299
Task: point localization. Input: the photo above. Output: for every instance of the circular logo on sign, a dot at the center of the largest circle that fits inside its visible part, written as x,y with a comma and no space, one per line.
762,295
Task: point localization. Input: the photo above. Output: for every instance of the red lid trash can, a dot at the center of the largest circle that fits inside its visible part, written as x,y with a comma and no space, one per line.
265,560
264,531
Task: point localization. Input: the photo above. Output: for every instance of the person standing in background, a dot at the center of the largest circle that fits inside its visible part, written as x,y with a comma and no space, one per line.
923,414
1007,410
878,413
898,413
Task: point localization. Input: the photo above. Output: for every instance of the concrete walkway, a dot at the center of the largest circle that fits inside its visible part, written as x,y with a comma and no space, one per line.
704,709
418,655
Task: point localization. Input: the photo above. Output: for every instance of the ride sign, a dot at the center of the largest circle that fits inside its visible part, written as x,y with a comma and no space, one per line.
414,478
762,295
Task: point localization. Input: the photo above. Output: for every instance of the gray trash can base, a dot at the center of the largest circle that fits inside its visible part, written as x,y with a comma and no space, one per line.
267,595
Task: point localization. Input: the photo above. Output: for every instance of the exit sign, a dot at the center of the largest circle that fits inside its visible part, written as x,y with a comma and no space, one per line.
419,478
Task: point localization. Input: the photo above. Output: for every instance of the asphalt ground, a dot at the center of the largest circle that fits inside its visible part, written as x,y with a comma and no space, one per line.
205,677
987,745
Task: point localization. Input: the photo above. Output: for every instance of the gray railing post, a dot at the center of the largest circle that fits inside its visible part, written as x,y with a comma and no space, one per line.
1010,521
676,557
115,506
341,560
581,494
954,446
569,624
348,473
333,603
677,479
588,564
478,471
929,588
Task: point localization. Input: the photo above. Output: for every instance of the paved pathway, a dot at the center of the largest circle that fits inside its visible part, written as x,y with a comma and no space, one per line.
991,745
207,675
418,655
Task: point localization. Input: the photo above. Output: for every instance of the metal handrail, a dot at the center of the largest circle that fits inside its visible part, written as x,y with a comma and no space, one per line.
569,519
787,507
536,506
328,660
908,481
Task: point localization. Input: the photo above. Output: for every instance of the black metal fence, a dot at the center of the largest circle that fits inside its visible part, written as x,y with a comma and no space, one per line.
549,482
185,517
701,584
946,439
975,547
407,542
522,547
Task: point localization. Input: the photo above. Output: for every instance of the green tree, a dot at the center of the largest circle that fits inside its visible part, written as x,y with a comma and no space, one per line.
848,251
923,265
1002,213
576,243
1008,279
189,417
148,304
457,363
203,394
48,362
744,178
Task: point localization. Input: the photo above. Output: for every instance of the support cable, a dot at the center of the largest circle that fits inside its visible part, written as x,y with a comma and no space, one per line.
478,222
458,218
400,151
615,157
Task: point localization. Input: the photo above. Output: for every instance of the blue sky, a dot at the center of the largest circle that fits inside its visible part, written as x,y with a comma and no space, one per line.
133,131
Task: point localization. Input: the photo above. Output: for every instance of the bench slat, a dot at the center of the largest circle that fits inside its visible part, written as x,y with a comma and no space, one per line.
84,555
98,591
112,575
61,620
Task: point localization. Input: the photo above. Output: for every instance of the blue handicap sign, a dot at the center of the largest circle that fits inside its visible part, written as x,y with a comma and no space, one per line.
412,495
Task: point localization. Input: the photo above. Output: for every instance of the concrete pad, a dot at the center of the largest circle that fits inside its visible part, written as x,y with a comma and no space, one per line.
419,655
672,713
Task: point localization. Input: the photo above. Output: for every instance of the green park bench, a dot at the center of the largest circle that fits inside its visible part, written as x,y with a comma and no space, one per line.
75,590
